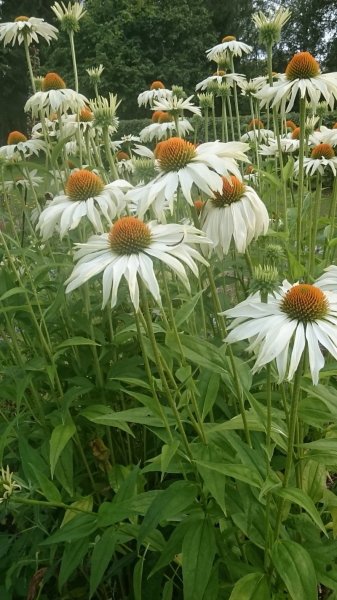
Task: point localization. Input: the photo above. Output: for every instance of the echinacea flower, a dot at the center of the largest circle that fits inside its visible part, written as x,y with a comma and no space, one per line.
18,146
218,78
295,318
129,250
104,111
182,165
302,76
162,129
288,146
69,16
157,91
322,156
235,213
229,45
95,74
25,181
270,26
86,196
175,105
54,97
328,281
8,485
26,28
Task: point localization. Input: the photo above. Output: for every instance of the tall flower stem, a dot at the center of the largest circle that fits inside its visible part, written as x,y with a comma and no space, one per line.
29,63
107,146
236,103
314,223
73,57
224,127
332,219
206,124
158,359
231,117
176,123
300,180
214,121
291,439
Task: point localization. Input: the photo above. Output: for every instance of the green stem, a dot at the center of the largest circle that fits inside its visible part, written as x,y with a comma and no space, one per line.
73,57
300,180
332,219
236,103
314,224
206,124
110,158
29,63
224,126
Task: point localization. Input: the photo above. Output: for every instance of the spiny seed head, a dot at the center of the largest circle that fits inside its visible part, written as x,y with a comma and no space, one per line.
323,151
290,125
265,280
122,156
144,168
302,66
232,191
305,302
223,90
85,115
206,101
83,184
17,19
155,116
52,81
255,124
322,108
274,252
228,38
157,85
15,137
38,83
174,154
179,91
295,135
165,117
129,235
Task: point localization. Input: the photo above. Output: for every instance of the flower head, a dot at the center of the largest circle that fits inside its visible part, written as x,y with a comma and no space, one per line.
54,96
85,196
322,156
236,212
104,111
157,91
70,15
95,74
270,27
129,250
175,105
29,29
229,46
8,485
295,317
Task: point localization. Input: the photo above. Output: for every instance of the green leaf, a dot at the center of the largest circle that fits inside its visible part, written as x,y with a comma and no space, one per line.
167,505
198,554
137,579
168,590
76,341
48,489
237,471
84,504
76,529
113,512
302,499
187,309
59,439
296,569
72,556
13,292
58,149
168,451
102,415
101,556
253,586
211,393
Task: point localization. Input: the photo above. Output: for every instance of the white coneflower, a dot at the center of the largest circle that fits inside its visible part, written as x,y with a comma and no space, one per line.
157,91
26,28
104,111
218,78
86,196
18,146
322,156
95,74
70,15
229,45
303,77
129,250
54,97
182,165
175,106
295,318
235,213
24,181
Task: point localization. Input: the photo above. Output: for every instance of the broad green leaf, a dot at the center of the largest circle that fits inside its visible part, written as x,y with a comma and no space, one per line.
58,149
211,393
59,439
168,590
198,551
253,586
183,313
76,341
137,579
101,556
74,509
302,499
113,512
314,480
76,529
168,451
296,569
103,415
13,292
48,488
237,471
72,556
168,504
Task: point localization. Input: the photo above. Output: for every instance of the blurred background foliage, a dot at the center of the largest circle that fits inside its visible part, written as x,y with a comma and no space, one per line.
138,41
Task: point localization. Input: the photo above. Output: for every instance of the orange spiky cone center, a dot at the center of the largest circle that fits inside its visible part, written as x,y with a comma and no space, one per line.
305,302
323,151
302,66
15,137
175,154
255,124
295,135
85,115
21,18
228,38
52,81
219,73
129,235
232,191
157,85
122,155
83,184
